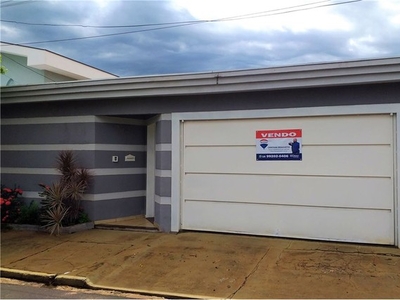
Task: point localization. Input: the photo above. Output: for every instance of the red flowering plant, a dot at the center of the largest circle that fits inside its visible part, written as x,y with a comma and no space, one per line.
10,204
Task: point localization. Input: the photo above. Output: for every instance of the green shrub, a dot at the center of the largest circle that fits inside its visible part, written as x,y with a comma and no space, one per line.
29,214
83,217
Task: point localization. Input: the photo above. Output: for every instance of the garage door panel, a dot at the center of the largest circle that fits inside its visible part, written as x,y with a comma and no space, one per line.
331,130
317,160
371,193
366,226
343,189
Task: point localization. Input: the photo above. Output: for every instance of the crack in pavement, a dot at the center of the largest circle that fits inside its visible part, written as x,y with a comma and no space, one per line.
33,254
247,277
95,242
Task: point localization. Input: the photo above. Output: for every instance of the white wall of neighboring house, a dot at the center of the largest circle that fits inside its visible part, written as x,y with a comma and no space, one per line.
26,65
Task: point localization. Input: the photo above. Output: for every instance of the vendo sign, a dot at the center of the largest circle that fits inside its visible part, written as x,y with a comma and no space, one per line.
280,144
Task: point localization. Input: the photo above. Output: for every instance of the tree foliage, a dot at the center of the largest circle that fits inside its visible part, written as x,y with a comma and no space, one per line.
3,69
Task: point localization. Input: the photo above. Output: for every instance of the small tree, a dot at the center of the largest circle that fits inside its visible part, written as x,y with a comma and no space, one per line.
3,69
61,203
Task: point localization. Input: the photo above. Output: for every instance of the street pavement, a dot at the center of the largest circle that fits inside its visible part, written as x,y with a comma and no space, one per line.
13,291
202,265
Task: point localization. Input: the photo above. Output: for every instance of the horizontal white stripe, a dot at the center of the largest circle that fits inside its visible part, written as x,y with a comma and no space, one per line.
116,120
110,196
163,173
119,171
77,147
163,147
162,200
48,120
31,194
94,197
96,172
41,171
71,119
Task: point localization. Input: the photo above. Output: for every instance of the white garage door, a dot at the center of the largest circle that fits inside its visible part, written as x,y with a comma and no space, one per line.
342,189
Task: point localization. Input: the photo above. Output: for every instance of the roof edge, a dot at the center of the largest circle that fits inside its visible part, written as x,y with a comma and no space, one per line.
298,76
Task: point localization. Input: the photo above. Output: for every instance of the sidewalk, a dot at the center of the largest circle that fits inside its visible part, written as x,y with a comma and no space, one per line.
203,265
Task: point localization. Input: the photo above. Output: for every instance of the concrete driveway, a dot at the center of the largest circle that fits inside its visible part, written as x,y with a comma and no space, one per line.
193,264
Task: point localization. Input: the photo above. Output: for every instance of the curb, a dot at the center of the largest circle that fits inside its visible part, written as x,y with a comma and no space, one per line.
27,275
126,228
83,282
75,281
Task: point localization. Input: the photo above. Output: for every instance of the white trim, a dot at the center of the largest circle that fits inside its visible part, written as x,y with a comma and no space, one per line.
177,118
76,147
291,112
397,178
96,172
93,197
163,173
163,147
162,200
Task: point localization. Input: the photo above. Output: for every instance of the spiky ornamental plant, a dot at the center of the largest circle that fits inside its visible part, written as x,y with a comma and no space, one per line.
53,208
62,201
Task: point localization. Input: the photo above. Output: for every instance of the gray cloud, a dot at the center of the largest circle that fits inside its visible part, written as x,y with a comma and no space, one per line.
195,48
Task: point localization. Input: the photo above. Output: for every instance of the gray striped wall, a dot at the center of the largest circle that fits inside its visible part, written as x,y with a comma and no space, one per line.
30,147
162,213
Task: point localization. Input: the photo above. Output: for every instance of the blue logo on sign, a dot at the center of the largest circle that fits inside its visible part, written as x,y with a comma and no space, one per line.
264,143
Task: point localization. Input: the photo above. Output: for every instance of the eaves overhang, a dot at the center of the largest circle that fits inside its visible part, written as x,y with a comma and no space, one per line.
290,77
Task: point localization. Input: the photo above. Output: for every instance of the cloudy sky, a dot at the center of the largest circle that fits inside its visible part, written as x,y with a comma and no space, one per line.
133,37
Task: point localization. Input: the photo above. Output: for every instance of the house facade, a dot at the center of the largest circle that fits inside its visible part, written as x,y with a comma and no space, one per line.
29,65
211,151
